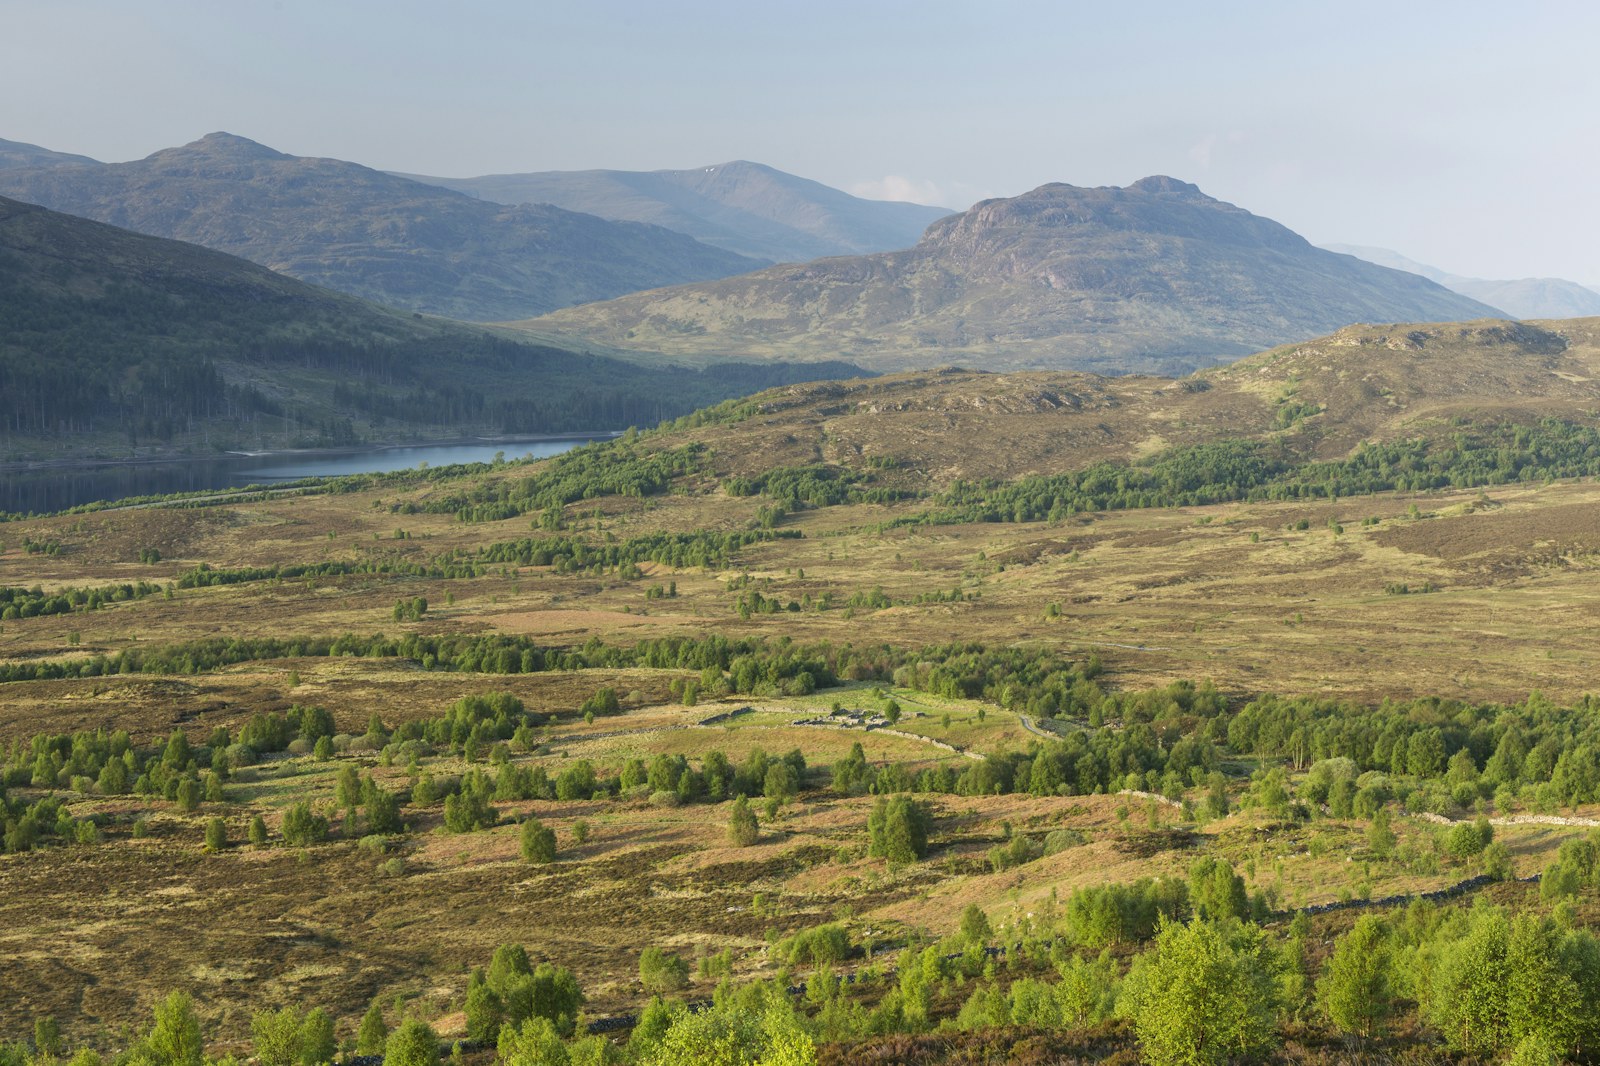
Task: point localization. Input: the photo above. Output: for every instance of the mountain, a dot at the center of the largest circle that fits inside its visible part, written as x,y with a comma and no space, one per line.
741,207
373,235
14,154
1313,400
1523,298
1153,277
112,341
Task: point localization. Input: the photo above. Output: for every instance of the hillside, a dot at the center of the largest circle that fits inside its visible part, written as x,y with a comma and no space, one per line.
385,706
1155,277
369,234
112,341
741,207
1318,399
1522,298
14,154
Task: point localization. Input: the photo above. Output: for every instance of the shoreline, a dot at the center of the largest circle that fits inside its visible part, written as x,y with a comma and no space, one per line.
27,466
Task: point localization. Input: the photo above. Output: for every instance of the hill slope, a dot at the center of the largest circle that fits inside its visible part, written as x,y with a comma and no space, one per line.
1318,399
111,340
373,235
1523,298
18,154
1156,276
742,207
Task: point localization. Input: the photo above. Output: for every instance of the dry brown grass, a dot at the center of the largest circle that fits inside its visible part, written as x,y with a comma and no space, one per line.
96,934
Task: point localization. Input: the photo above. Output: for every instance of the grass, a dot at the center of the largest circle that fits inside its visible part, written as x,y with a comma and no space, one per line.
98,933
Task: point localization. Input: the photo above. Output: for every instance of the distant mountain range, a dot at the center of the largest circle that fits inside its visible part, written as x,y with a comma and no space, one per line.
113,342
1154,277
370,234
1524,298
14,154
740,207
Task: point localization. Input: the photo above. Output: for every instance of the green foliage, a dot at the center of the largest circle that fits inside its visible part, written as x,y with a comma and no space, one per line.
974,928
897,829
534,1043
216,834
1098,917
513,990
814,486
1203,994
1575,870
1466,839
661,971
821,945
317,1043
1380,838
1216,892
743,827
782,782
414,1043
35,602
567,554
1508,981
302,827
173,1038
763,1031
538,843
605,468
1354,992
469,809
1226,470
373,1032
47,1036
278,1037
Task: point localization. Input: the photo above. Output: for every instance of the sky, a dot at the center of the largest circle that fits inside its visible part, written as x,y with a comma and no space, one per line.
1465,135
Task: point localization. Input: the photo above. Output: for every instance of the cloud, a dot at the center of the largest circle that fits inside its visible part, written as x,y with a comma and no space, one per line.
1203,151
901,189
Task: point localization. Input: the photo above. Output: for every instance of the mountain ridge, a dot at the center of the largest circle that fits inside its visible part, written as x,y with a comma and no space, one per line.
115,343
360,231
1520,297
16,154
1318,400
1153,277
744,207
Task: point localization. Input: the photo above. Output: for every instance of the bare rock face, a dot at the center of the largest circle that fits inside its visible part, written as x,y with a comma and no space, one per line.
1154,277
371,234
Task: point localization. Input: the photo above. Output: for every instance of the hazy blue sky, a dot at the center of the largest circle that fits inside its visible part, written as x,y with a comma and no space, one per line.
1464,134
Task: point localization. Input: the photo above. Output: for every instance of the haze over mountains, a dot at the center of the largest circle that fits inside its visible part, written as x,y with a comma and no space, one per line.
1522,298
14,154
371,234
1155,277
741,207
111,339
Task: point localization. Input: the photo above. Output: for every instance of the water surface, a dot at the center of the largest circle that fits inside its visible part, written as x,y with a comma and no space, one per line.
61,487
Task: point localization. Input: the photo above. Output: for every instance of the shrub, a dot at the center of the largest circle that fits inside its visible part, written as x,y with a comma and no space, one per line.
823,945
413,1044
1203,994
538,842
897,830
661,971
373,1033
303,827
743,828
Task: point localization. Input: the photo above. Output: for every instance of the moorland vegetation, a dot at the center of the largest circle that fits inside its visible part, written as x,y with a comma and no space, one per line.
667,751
